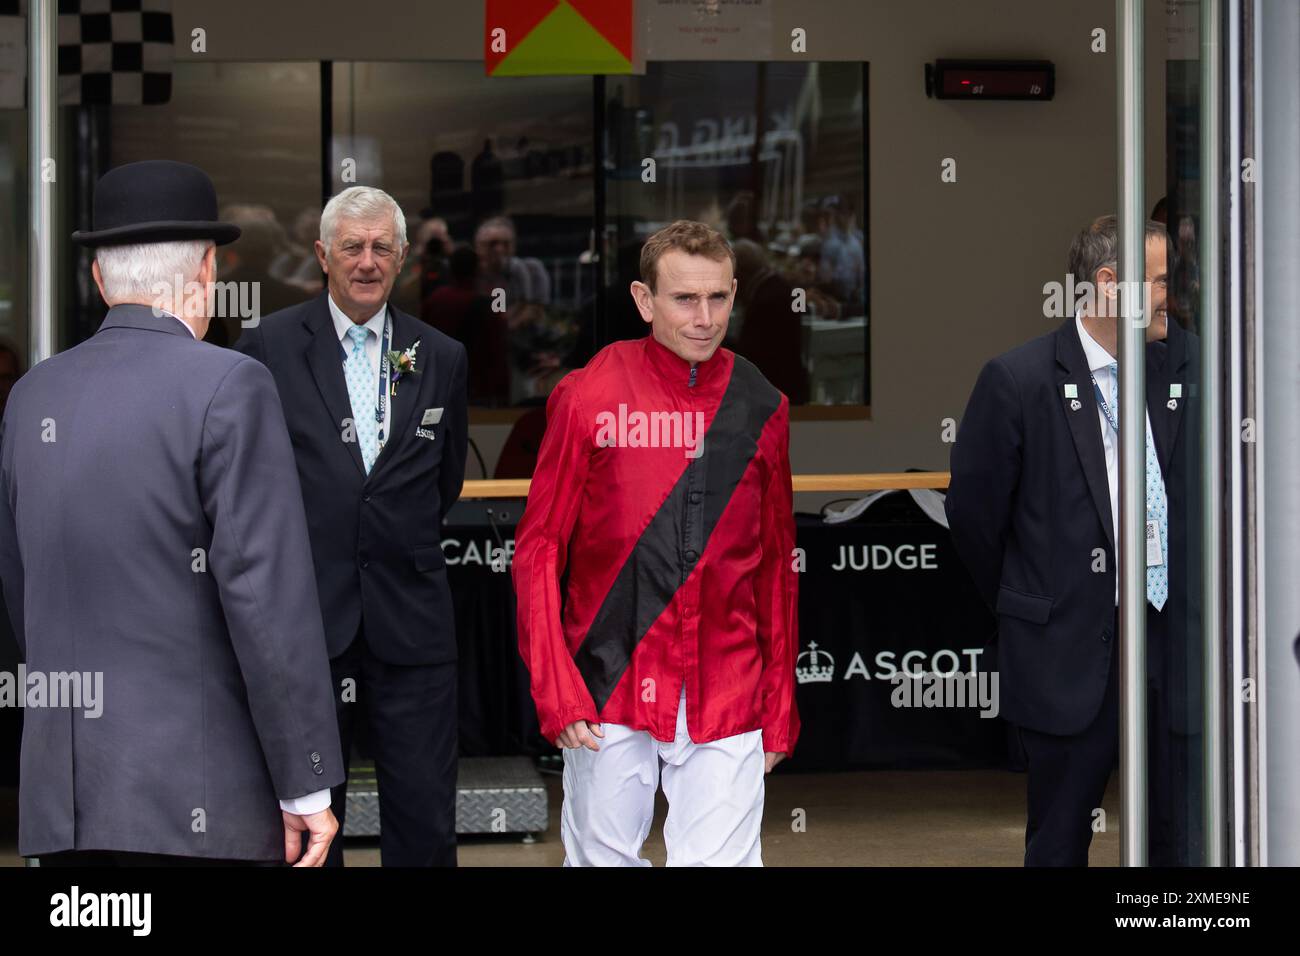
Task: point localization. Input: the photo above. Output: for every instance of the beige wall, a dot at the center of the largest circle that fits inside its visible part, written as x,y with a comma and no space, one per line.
957,269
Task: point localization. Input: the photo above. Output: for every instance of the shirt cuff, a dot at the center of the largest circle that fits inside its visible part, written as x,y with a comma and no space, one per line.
307,805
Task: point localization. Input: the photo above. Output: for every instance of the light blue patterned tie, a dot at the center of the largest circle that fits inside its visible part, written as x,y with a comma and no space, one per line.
1157,505
362,392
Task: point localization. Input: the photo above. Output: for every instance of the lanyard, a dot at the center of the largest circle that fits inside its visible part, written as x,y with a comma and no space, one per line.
1110,417
1105,409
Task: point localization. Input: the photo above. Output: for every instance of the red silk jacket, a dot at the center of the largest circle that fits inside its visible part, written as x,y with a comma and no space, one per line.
645,558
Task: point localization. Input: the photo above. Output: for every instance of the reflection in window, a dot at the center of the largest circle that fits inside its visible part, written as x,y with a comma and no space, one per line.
14,326
504,200
773,156
494,176
255,129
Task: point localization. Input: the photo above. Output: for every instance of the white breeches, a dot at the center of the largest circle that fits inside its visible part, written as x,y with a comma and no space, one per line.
714,791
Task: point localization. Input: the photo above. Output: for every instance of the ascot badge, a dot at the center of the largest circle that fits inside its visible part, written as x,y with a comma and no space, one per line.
814,666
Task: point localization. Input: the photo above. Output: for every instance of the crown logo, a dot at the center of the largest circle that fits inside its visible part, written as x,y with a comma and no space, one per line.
818,668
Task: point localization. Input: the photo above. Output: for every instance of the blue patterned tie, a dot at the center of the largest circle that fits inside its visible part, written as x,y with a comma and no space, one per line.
362,392
1157,505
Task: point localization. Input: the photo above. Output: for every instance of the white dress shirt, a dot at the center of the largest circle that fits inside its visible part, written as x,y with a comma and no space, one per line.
312,802
181,321
1099,361
376,326
306,805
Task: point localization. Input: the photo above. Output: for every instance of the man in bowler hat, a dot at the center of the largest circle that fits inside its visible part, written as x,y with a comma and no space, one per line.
153,544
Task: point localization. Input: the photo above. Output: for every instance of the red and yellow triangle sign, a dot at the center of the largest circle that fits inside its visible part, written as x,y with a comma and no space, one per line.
557,37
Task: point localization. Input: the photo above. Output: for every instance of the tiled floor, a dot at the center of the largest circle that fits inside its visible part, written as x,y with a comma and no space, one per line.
915,818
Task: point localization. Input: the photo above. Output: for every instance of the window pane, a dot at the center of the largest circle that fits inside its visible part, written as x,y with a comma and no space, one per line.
459,150
14,326
255,129
772,154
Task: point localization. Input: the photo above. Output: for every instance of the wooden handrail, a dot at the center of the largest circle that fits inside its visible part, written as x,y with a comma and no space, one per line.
883,481
518,487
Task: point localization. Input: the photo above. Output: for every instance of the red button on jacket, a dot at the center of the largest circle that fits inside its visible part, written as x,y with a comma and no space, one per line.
647,558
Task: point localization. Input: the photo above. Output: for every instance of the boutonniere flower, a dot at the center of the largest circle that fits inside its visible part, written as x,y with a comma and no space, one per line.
400,364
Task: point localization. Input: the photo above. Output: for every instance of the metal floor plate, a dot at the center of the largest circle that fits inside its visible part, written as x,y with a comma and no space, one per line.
493,795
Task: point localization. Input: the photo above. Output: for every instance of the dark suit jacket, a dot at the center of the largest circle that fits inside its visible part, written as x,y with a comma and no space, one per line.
1029,511
151,530
376,539
1175,662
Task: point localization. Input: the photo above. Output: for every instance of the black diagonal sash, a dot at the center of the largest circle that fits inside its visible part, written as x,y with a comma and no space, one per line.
671,545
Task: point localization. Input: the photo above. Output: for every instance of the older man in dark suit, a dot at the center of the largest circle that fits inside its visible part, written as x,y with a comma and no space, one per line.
375,401
153,546
1033,505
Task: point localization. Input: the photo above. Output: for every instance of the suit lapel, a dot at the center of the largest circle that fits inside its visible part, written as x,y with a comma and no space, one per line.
1166,371
405,334
1175,373
1157,396
325,358
1081,414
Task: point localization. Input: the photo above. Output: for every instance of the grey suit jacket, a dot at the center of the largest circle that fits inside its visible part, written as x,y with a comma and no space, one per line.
152,532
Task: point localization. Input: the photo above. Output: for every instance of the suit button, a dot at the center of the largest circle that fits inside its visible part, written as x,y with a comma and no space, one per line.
365,497
1105,637
315,757
695,497
365,563
318,769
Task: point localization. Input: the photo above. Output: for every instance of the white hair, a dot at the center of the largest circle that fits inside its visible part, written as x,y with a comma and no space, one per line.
360,203
138,270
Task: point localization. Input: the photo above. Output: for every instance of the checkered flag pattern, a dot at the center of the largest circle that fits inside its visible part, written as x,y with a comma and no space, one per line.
115,51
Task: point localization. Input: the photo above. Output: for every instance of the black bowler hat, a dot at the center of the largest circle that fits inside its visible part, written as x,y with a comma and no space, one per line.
156,200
